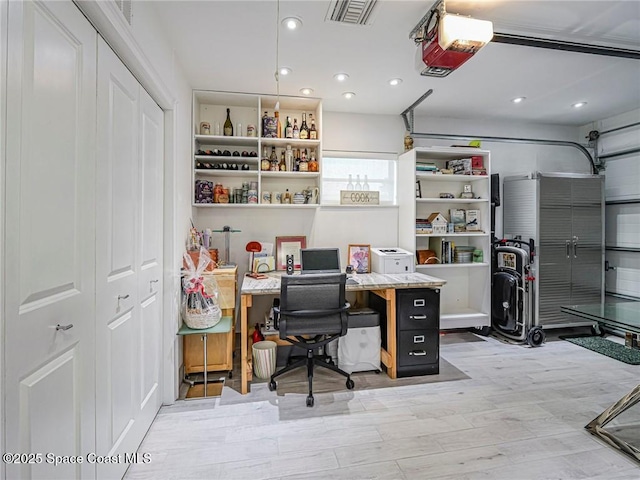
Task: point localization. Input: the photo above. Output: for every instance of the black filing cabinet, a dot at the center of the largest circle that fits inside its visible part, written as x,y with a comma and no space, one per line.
417,330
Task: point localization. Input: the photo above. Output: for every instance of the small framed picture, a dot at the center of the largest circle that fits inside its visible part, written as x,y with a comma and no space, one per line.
289,246
418,189
360,258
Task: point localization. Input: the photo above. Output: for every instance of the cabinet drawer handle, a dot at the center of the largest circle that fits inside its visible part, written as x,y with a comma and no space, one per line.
418,339
418,317
418,353
64,327
419,302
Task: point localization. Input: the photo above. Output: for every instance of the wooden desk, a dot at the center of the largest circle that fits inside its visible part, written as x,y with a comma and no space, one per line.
383,285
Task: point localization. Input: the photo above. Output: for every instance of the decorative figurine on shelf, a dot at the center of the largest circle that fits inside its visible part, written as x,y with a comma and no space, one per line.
408,142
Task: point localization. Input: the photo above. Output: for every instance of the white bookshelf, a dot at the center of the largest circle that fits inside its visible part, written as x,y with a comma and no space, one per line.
465,300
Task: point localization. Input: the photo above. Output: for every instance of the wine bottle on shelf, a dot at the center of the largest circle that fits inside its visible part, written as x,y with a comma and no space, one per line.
313,133
304,130
313,163
278,125
297,161
273,160
288,129
304,164
282,167
350,183
358,184
365,185
228,126
265,164
265,121
296,130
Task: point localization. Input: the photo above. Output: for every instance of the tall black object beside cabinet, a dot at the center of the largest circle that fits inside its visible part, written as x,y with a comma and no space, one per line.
417,330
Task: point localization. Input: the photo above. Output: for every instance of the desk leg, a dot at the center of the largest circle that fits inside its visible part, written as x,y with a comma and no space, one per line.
388,356
245,303
390,295
204,349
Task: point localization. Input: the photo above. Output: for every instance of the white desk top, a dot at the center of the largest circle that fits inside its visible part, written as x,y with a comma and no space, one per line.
366,281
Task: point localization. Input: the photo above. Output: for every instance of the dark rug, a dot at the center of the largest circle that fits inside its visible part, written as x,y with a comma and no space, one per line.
608,348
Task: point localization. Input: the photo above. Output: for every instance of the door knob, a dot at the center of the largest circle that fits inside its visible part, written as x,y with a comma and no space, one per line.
64,327
123,297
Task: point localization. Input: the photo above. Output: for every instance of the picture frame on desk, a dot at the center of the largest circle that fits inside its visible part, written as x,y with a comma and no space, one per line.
289,246
360,258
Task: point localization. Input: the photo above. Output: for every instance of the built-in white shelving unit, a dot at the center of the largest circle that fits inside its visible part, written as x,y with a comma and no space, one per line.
248,109
466,297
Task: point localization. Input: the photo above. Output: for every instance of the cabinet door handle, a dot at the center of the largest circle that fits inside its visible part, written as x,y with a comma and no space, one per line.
575,247
418,353
567,246
64,327
418,317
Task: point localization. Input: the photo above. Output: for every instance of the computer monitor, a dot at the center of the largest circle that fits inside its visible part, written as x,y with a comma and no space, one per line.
320,260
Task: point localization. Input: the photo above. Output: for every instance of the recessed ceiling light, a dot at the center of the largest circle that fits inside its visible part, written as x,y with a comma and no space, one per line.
348,95
519,99
292,23
341,77
306,91
285,70
395,81
579,104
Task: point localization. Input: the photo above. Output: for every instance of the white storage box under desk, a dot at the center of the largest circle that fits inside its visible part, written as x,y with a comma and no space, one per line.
359,349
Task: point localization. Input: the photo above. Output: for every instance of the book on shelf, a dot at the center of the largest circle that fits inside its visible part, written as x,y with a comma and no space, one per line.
472,220
457,217
444,249
426,167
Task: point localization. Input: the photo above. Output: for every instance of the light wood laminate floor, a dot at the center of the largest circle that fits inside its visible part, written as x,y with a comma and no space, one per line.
496,411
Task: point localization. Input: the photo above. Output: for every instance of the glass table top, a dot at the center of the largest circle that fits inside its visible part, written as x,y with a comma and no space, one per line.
625,315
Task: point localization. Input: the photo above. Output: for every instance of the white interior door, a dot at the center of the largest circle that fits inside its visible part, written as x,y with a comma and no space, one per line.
150,256
129,232
50,237
117,261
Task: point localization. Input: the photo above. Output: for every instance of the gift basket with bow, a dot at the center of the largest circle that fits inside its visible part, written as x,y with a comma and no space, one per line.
200,307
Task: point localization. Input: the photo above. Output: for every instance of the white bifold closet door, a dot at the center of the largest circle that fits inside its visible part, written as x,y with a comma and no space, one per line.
128,260
50,238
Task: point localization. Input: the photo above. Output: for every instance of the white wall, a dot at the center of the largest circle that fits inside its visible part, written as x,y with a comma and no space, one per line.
622,183
339,226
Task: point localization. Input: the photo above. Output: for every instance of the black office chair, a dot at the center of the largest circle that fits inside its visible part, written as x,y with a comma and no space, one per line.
312,306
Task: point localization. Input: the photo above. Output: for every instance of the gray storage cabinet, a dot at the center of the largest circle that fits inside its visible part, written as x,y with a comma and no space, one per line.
564,214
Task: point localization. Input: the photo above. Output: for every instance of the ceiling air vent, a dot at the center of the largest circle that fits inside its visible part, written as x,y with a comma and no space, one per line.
353,12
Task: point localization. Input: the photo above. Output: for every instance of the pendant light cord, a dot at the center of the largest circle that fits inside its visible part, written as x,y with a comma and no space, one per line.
277,73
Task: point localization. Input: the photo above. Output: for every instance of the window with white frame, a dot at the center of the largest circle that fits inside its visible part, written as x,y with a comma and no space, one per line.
377,170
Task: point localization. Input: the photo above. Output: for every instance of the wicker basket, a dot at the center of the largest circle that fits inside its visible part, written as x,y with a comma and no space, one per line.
199,320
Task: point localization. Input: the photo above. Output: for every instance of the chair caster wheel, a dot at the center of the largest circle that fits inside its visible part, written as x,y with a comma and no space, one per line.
350,384
272,385
309,401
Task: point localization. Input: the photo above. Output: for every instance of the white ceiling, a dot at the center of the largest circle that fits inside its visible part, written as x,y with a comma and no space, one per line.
231,46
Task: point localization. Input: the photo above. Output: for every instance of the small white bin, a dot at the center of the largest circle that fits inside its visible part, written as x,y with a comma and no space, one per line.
264,358
359,349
